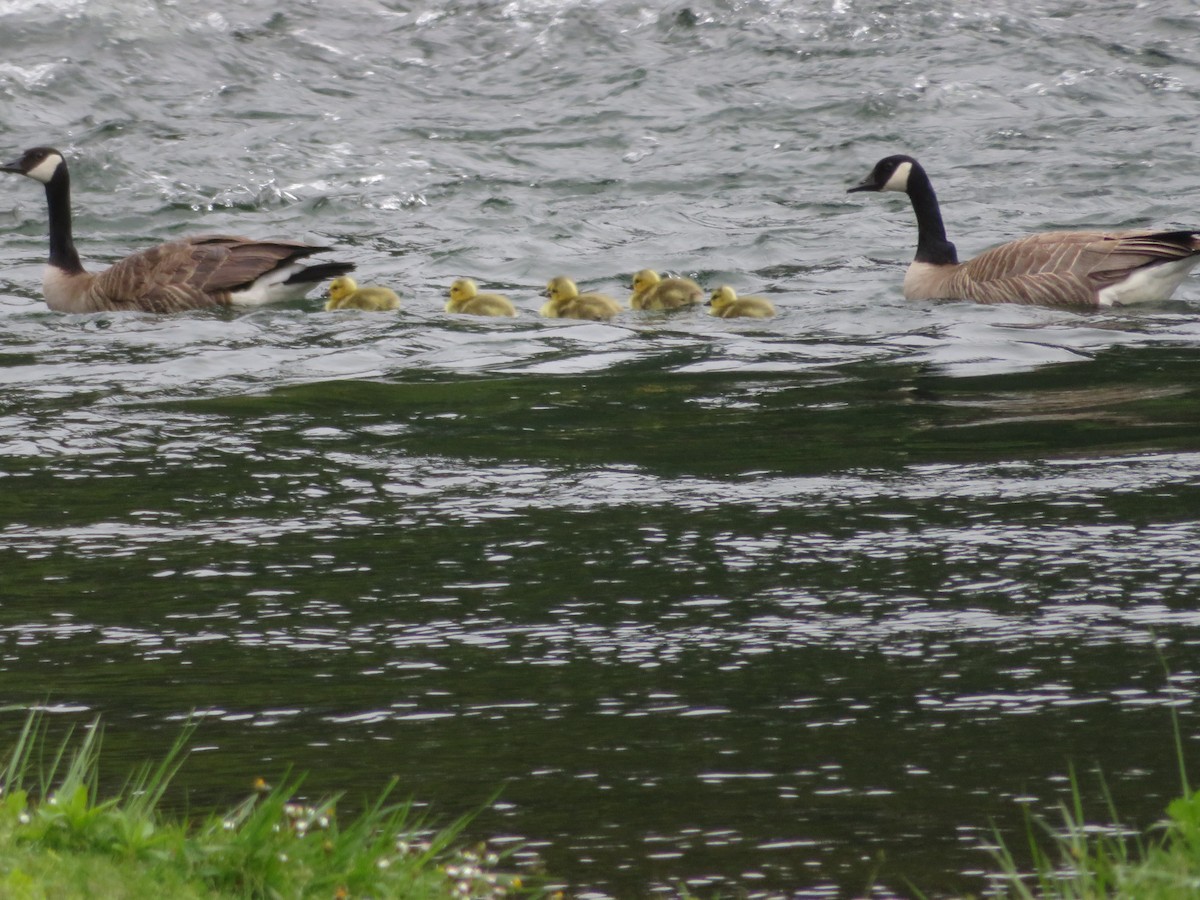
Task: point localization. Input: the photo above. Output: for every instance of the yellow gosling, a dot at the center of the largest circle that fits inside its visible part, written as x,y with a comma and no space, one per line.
465,298
652,292
726,304
567,303
344,293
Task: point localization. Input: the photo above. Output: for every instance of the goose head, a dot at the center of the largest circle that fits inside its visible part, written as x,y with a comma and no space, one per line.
890,174
462,290
341,288
39,163
561,288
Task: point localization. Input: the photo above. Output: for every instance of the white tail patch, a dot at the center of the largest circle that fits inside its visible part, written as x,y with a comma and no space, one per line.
1149,284
270,288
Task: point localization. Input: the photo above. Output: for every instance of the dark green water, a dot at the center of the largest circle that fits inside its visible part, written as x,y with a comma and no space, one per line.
777,630
798,608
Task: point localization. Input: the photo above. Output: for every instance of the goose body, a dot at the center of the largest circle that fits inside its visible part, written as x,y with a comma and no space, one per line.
466,299
1055,268
189,273
567,303
344,293
726,304
652,292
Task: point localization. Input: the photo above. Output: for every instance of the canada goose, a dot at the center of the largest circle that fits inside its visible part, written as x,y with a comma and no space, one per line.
567,303
344,293
201,271
726,304
465,298
652,292
1056,268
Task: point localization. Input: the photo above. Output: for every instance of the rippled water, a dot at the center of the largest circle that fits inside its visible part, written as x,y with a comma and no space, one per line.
798,607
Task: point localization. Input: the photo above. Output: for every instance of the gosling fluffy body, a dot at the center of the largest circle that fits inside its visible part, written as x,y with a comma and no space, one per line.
650,291
726,304
1055,268
567,303
344,293
466,299
189,273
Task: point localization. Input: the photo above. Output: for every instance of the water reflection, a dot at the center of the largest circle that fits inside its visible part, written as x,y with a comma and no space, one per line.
696,609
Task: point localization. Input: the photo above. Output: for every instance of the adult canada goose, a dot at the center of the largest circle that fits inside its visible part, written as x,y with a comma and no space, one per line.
207,270
344,293
1056,268
726,304
652,292
465,298
567,303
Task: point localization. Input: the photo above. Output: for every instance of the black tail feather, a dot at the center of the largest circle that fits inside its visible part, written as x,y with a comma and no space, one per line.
320,272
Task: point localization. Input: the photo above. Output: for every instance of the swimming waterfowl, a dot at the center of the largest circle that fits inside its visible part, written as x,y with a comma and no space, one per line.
726,304
465,298
189,273
344,293
1055,268
652,292
567,303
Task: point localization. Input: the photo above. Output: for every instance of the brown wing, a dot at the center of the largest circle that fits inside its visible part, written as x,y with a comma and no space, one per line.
191,273
1068,267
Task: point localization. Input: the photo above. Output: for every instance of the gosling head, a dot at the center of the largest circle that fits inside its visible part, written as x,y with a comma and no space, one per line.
890,174
342,287
463,289
722,296
561,288
39,163
644,280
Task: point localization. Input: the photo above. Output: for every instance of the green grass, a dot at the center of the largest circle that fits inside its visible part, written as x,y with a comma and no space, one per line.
59,839
1078,861
1087,861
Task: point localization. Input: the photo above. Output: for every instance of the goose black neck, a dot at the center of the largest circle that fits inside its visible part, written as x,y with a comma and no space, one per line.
62,245
932,246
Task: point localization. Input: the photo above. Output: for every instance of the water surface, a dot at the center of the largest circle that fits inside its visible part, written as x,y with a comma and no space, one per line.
798,608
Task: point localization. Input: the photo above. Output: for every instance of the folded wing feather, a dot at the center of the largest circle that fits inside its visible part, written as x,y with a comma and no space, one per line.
1068,267
190,273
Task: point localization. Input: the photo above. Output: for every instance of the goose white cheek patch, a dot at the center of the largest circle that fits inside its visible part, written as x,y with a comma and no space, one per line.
899,179
45,170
